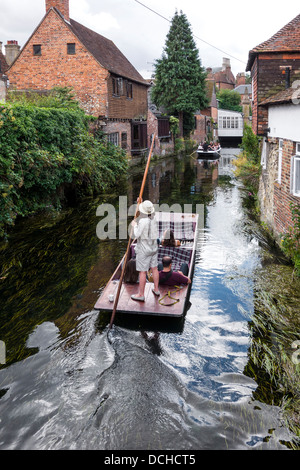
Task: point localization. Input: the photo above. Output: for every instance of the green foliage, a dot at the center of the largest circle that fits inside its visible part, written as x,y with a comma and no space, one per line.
229,99
250,145
42,150
291,240
248,163
179,77
58,97
174,126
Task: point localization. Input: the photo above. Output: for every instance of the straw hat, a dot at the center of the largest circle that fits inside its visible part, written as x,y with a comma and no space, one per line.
146,207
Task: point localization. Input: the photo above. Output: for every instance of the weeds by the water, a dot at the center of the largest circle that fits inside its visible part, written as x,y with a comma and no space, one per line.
272,359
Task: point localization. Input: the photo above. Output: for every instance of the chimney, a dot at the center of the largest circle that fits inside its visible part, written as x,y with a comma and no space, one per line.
226,64
12,50
240,79
61,5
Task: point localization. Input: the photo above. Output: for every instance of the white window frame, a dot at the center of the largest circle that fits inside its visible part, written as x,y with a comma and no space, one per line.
113,138
295,172
280,151
264,154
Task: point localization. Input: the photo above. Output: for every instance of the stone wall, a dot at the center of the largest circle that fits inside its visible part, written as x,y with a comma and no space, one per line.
266,186
274,197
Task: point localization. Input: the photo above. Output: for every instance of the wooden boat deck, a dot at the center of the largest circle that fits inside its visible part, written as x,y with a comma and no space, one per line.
151,306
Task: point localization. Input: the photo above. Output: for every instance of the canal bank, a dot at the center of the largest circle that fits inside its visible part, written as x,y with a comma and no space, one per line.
201,384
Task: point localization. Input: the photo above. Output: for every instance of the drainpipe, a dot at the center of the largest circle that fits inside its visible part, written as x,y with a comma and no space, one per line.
287,77
286,71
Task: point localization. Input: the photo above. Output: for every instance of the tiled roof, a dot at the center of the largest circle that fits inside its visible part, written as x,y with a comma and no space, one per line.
285,96
286,39
241,89
106,52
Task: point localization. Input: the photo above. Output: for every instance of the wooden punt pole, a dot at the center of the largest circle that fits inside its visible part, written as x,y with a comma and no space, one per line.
130,238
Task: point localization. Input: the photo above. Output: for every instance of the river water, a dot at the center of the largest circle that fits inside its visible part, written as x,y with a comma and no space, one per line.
70,383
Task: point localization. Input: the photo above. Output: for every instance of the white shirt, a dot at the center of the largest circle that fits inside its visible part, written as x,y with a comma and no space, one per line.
146,233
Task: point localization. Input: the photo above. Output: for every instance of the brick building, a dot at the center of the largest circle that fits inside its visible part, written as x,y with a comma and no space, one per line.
222,76
62,52
273,63
3,70
159,124
280,177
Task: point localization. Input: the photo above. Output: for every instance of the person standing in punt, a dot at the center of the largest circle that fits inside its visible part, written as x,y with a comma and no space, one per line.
146,233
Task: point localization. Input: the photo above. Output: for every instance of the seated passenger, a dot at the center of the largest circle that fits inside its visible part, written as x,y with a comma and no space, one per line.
131,275
169,277
169,240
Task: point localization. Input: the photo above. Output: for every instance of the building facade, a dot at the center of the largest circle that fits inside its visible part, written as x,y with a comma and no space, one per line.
280,178
274,66
62,52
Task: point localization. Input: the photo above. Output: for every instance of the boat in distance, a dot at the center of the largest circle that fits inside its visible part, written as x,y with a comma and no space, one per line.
209,153
173,301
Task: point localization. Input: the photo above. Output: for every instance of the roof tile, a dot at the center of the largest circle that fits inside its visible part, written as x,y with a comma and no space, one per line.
286,39
106,52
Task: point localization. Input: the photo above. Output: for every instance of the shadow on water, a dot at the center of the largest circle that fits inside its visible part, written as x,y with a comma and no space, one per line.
70,383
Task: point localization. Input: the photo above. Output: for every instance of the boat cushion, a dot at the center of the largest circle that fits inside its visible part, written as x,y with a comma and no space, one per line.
182,230
179,255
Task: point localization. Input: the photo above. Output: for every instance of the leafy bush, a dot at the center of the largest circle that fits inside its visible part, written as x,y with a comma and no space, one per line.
229,99
250,145
42,149
248,162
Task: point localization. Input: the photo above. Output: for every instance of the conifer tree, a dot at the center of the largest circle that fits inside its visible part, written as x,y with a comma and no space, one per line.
180,85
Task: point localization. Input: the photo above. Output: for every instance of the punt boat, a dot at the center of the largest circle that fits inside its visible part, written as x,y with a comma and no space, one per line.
208,154
173,301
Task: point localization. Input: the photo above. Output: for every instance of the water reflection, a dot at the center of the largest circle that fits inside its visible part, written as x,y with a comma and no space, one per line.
149,383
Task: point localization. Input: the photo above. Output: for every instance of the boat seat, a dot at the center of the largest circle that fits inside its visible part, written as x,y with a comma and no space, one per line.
179,255
182,230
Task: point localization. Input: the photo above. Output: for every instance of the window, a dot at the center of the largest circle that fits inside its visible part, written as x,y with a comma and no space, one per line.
37,49
117,86
71,48
280,161
298,148
124,140
295,175
129,93
113,138
139,136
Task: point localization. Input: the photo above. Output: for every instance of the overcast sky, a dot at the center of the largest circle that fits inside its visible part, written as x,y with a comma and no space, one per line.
232,27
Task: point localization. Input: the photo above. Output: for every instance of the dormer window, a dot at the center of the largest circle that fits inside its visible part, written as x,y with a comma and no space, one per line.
71,48
37,49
